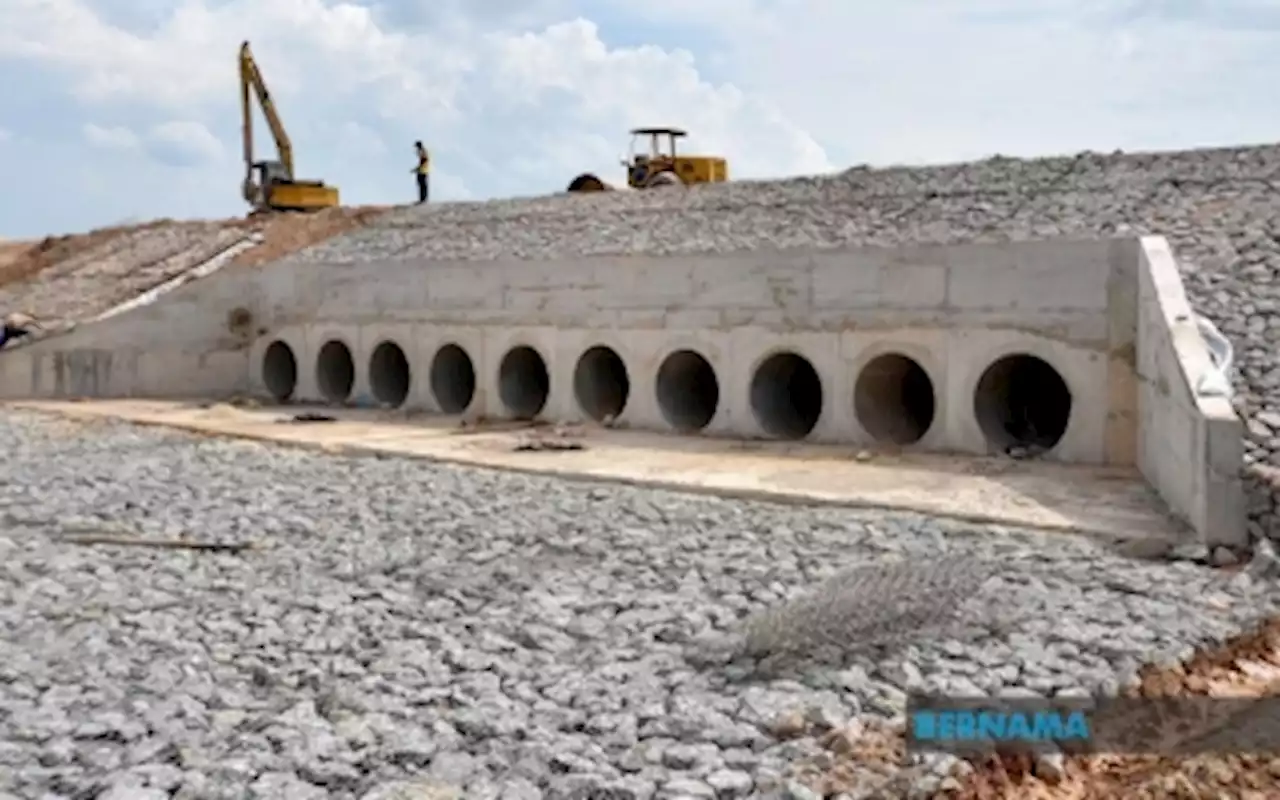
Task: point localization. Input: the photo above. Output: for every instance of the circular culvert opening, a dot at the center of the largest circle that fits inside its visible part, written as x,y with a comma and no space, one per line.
280,371
389,375
335,372
601,384
453,379
786,396
894,399
1022,401
523,382
688,391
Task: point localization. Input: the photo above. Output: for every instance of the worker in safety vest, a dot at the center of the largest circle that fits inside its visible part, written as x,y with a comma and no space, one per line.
423,171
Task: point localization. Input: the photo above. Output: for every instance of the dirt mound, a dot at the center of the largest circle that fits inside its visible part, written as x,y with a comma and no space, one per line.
12,251
288,233
1247,667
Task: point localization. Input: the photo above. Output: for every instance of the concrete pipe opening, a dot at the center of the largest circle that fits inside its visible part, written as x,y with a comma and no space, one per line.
280,371
389,375
894,399
1021,401
688,391
335,372
601,384
453,379
523,382
786,396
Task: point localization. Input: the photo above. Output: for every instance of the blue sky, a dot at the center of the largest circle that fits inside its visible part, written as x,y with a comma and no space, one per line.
115,110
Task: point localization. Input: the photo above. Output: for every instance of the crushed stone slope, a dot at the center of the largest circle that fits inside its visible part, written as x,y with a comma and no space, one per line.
67,279
1218,207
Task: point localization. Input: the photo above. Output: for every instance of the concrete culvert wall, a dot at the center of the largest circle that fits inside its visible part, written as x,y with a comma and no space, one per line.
389,374
453,379
335,372
523,382
280,371
688,391
1022,401
786,396
894,399
601,384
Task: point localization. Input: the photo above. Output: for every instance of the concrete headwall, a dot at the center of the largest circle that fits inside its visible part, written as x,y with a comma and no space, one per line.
953,310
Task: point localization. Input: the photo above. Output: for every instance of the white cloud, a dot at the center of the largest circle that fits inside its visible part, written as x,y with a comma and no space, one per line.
517,97
183,143
5,135
111,138
918,80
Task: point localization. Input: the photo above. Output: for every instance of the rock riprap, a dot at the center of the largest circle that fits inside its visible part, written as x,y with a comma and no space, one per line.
412,630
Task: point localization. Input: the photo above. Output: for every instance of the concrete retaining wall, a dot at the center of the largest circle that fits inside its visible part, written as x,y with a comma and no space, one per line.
901,344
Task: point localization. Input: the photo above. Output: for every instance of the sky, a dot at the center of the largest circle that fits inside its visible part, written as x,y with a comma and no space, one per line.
116,111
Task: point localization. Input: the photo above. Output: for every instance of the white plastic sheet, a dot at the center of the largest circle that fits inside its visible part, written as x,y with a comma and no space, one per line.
1216,382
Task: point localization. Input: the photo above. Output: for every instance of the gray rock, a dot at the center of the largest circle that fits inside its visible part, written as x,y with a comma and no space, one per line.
133,791
285,786
520,789
730,783
453,768
798,791
1223,557
413,790
687,788
509,635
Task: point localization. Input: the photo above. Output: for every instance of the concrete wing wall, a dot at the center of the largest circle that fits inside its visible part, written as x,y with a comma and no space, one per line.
1190,447
191,342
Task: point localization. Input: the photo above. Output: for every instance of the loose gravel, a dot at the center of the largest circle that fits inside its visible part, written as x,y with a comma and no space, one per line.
410,629
1218,207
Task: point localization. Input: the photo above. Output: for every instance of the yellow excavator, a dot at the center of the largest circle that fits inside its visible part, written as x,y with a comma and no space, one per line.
660,166
270,185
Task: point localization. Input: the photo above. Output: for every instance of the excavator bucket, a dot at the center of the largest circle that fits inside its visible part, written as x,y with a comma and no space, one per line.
588,183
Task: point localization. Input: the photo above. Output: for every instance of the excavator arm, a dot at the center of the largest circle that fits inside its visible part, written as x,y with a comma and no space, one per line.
277,177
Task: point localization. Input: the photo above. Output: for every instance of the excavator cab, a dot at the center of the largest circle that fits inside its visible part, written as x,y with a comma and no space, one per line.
263,174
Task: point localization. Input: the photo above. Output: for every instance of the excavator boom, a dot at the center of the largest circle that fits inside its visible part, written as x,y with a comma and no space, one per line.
251,80
274,187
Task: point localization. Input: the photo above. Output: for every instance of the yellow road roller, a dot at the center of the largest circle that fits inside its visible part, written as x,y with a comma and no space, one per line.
661,166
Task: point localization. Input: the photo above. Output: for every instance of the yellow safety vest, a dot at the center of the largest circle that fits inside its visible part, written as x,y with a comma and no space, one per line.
424,164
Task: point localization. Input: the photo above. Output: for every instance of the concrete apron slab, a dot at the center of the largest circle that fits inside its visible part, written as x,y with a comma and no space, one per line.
1110,502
